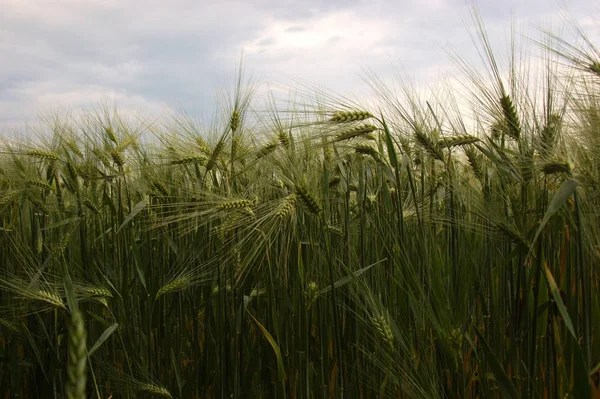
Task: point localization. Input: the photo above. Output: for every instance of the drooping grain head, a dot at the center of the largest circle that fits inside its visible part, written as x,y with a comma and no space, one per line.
72,145
159,187
383,329
8,198
511,117
349,116
202,146
48,297
266,150
405,146
283,138
155,390
39,184
110,134
476,162
214,156
427,144
39,205
97,291
91,206
72,171
117,158
549,135
497,129
43,154
355,132
9,325
102,157
526,165
366,150
236,204
19,164
173,286
459,140
308,198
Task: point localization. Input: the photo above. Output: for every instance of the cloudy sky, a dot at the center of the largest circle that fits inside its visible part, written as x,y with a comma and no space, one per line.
152,55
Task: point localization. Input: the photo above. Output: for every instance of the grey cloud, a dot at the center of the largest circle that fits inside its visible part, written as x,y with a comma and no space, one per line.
179,53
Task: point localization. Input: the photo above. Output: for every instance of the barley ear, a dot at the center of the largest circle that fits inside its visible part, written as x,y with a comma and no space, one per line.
110,134
549,135
476,163
308,198
76,368
43,154
511,117
350,116
234,122
424,141
155,390
383,329
459,140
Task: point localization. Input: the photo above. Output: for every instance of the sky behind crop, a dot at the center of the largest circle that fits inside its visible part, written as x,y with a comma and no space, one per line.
155,56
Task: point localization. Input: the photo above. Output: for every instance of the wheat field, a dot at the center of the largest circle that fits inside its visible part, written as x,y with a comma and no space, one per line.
317,248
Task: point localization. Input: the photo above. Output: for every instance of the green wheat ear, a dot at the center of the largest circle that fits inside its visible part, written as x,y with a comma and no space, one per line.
39,184
286,206
236,204
383,329
76,368
266,150
110,134
283,138
428,145
349,116
42,154
308,198
234,122
155,390
175,285
355,132
511,117
454,141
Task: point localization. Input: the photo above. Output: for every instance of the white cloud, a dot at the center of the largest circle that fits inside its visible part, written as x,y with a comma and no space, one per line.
32,100
151,54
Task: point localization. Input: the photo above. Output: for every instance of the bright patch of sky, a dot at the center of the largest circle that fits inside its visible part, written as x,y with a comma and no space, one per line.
153,56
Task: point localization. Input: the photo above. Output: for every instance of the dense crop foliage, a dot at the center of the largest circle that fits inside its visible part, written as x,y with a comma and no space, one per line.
334,250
